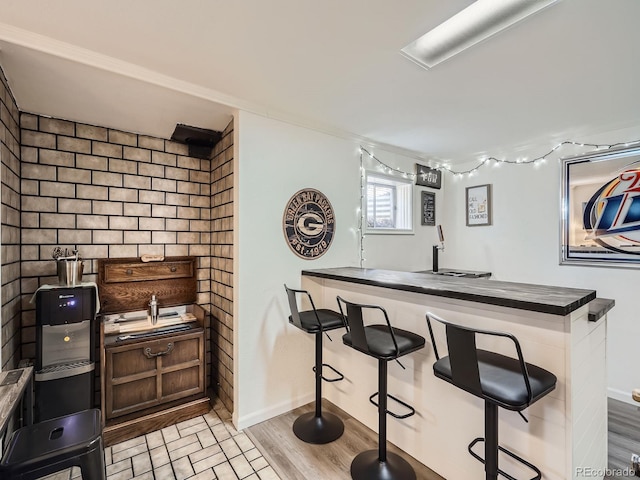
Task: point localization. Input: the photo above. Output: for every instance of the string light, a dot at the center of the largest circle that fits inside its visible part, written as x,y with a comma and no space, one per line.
362,206
384,166
496,161
459,174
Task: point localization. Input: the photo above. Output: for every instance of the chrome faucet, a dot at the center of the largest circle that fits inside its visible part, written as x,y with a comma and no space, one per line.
153,310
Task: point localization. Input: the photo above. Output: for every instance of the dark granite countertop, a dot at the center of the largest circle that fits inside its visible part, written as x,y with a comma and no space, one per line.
537,298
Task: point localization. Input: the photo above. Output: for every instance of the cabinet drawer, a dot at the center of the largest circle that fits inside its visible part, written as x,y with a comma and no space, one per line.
148,373
142,272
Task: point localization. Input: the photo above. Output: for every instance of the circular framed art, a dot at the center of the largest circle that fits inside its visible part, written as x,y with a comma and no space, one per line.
308,223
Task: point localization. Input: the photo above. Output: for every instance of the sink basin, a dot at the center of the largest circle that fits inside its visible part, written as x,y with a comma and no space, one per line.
449,272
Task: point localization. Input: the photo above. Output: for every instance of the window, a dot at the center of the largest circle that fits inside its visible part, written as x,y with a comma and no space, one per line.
389,203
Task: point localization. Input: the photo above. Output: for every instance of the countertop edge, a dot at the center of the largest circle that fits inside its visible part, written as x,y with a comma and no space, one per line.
599,307
486,299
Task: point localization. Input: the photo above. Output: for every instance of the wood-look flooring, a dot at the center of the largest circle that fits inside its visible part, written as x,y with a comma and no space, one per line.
293,459
624,437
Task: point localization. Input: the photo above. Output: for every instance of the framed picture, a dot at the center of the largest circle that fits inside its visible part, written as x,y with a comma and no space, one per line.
428,209
478,201
428,177
601,208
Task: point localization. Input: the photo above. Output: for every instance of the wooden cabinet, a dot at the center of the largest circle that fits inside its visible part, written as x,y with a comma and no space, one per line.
151,372
126,284
151,379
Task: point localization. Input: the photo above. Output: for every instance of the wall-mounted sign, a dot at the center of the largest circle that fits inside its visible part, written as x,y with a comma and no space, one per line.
428,208
601,208
478,205
308,223
428,177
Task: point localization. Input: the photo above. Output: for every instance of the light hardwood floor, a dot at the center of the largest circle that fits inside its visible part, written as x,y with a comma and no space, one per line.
624,437
293,459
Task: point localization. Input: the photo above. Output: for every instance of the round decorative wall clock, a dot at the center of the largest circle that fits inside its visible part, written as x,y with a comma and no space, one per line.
308,223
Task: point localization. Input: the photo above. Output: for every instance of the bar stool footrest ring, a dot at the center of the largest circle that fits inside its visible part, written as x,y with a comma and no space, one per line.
412,411
507,452
339,377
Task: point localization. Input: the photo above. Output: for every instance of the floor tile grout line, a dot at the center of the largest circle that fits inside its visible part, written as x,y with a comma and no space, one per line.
232,433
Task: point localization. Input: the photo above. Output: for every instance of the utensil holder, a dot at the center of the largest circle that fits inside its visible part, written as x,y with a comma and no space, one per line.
70,272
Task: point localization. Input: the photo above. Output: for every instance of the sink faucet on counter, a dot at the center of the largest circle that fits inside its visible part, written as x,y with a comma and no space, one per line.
153,310
437,247
448,272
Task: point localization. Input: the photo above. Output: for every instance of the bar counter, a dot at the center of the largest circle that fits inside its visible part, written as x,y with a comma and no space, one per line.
566,436
523,296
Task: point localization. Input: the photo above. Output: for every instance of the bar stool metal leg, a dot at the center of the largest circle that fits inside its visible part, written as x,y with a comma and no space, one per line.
318,427
380,464
491,441
492,448
92,465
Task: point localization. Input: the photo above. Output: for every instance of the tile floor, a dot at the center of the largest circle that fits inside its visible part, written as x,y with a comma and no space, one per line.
203,448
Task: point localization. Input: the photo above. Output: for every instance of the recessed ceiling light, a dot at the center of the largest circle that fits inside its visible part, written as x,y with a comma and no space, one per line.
477,22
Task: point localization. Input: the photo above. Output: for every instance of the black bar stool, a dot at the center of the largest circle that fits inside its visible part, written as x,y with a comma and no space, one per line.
385,343
501,381
316,427
53,445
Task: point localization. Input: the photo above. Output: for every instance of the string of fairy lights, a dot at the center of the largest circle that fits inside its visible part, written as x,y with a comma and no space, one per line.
361,209
386,168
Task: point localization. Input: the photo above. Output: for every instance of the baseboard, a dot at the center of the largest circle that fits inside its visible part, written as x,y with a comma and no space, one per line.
127,430
260,416
621,395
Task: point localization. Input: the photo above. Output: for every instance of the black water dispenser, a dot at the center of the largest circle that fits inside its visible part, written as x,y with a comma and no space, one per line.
65,350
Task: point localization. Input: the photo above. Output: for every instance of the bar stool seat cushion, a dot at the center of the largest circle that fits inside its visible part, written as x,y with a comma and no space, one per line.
380,342
501,379
329,319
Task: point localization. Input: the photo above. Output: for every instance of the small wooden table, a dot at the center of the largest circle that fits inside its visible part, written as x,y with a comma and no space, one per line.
13,394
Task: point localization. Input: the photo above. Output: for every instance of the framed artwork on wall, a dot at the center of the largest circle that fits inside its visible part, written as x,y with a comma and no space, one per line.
601,208
428,177
478,203
428,209
308,223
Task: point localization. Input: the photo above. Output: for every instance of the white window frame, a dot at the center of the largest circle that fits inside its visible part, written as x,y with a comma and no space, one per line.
403,203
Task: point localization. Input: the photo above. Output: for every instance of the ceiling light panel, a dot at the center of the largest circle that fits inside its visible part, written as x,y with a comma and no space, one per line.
476,23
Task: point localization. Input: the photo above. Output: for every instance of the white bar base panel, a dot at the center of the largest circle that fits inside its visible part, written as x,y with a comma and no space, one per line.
566,437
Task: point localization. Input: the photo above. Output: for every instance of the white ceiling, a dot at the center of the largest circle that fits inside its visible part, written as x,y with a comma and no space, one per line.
570,71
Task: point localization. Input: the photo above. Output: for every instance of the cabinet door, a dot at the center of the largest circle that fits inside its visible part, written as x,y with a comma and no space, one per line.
126,284
130,380
147,373
182,370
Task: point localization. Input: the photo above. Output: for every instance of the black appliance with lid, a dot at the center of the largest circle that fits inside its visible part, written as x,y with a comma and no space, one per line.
65,350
